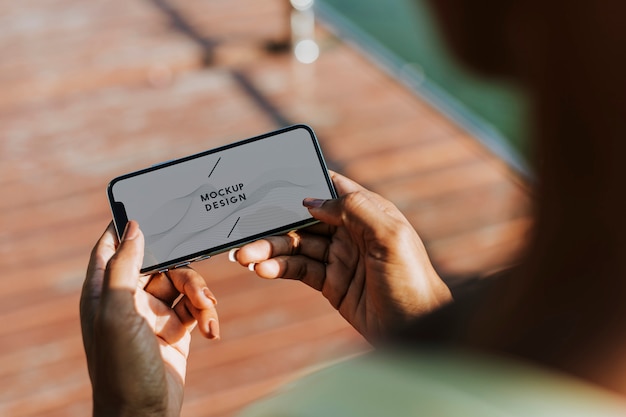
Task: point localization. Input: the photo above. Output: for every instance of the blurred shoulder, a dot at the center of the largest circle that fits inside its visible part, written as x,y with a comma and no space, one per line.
438,382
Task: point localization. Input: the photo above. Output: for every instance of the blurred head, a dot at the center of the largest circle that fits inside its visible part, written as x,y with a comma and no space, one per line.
477,32
570,57
530,39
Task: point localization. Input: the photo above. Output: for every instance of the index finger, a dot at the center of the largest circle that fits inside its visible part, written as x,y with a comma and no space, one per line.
190,283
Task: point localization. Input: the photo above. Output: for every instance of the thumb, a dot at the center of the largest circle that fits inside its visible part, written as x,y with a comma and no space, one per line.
359,208
128,368
123,269
326,211
331,211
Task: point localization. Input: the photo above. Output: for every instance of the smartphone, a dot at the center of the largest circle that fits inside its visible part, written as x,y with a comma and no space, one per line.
194,207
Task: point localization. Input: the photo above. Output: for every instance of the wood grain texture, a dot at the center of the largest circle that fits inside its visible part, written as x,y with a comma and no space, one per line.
95,89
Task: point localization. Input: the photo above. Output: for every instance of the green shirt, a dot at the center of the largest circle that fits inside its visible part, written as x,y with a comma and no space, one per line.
438,383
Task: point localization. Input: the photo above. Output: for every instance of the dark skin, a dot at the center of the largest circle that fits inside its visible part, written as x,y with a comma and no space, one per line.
364,257
136,344
357,259
562,308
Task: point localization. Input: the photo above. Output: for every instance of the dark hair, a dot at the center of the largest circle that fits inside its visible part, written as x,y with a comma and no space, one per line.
564,306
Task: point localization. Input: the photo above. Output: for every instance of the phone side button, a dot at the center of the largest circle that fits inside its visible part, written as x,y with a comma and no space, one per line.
202,258
161,271
180,265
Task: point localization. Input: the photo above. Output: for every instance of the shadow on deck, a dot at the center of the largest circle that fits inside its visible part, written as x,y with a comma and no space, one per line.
95,89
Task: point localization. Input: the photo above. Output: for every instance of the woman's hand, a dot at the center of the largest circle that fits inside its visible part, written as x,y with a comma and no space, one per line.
365,258
136,343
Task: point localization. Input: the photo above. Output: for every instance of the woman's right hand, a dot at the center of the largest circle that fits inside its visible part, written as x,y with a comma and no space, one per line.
364,256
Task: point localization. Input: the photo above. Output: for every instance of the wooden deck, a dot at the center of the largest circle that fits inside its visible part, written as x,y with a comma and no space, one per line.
94,89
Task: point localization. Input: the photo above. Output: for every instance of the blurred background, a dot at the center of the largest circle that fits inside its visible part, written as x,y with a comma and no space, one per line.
94,89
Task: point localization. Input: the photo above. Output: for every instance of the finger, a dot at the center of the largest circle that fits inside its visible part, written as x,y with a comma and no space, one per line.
164,322
123,269
344,185
327,211
120,284
100,255
359,207
300,268
321,229
124,334
183,310
92,286
161,287
191,316
199,300
190,283
293,243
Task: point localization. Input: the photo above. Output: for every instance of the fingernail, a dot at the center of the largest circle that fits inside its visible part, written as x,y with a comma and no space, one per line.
214,329
131,231
251,266
313,202
232,255
207,293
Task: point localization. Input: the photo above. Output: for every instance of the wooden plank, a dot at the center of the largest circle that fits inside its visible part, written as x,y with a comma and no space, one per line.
66,48
80,105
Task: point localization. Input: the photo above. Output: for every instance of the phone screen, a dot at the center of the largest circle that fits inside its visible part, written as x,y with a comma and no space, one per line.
208,203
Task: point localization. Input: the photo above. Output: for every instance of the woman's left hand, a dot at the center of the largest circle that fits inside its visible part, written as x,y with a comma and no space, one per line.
135,341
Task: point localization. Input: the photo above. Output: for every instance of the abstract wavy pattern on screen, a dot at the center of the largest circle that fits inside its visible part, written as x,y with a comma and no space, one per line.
183,225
